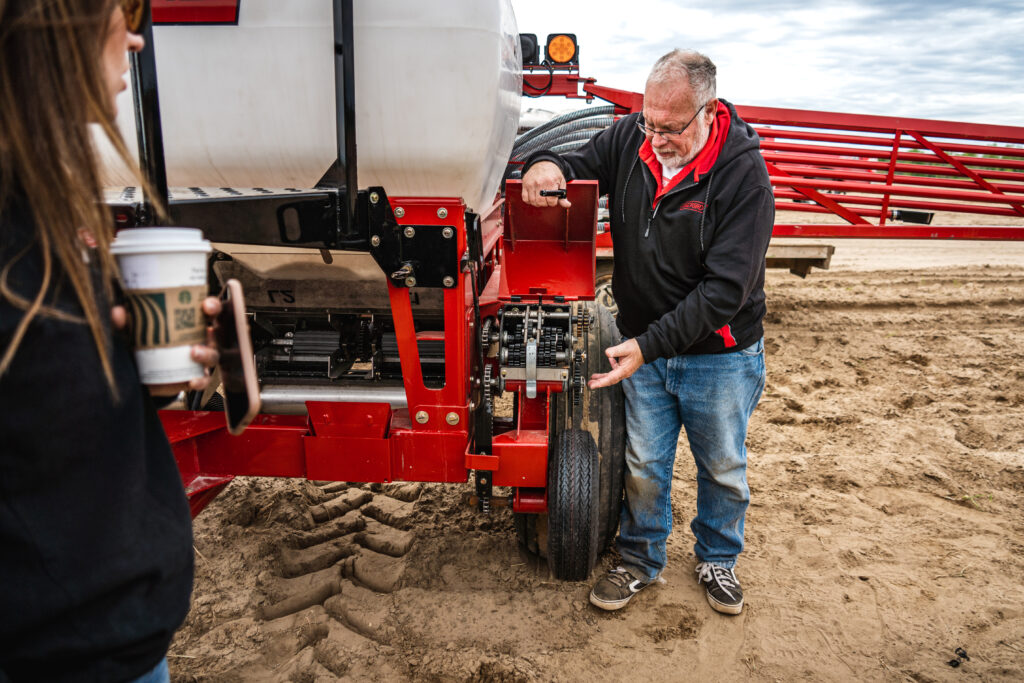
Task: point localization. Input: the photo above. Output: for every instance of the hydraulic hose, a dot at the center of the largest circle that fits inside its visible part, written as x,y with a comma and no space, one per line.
607,110
594,124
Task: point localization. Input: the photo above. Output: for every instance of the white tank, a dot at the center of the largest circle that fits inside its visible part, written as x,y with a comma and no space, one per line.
437,97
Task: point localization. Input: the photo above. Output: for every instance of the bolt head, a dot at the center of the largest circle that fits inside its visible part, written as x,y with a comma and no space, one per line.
452,418
447,232
448,281
374,197
442,212
409,232
375,240
422,417
399,212
410,282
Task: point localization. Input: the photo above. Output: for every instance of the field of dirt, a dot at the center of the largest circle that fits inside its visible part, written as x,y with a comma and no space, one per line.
886,527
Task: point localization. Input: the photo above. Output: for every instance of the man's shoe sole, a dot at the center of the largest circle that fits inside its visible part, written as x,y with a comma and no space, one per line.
609,605
721,606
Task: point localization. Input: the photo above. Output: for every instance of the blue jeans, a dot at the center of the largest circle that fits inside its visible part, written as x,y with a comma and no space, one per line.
712,396
158,674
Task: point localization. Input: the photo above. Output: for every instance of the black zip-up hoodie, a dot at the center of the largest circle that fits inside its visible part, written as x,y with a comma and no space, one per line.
95,533
689,267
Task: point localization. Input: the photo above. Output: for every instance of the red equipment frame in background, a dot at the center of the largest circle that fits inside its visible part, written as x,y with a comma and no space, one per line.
864,169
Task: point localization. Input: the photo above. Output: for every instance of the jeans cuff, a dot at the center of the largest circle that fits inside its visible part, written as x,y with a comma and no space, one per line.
724,564
641,574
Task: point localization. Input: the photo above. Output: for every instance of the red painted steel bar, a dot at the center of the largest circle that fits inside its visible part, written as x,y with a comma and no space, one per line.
924,170
870,176
877,201
823,156
915,232
879,188
806,118
769,133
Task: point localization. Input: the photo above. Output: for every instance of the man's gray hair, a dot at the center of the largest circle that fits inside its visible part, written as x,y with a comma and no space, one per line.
697,69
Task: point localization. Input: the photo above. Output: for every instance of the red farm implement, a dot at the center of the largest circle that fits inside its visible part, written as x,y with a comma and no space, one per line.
387,328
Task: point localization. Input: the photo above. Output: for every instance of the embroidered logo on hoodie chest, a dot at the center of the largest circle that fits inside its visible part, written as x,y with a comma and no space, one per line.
694,206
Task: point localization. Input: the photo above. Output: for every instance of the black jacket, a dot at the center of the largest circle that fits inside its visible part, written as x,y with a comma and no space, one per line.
95,532
689,271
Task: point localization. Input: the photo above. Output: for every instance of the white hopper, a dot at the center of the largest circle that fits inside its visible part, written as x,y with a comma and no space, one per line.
437,97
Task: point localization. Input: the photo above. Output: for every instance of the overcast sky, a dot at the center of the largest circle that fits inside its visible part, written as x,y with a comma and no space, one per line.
938,59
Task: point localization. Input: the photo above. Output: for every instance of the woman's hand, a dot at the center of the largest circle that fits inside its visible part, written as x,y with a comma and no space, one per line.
204,354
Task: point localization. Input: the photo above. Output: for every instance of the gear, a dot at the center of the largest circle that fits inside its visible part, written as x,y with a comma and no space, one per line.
488,382
577,380
486,331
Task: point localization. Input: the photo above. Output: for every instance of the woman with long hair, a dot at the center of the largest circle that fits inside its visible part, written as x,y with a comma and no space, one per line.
95,535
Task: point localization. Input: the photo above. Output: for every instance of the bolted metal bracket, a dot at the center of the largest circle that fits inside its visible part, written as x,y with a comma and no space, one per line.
411,255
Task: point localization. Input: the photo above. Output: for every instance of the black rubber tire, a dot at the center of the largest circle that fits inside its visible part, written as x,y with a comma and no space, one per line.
526,531
604,416
603,287
573,515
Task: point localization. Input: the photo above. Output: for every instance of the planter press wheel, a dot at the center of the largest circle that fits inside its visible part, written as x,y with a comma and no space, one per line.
603,287
585,470
573,499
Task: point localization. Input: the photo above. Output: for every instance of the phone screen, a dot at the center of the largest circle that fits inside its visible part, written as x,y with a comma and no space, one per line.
236,360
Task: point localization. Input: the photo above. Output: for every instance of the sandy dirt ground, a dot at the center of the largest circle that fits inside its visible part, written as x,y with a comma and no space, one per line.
886,527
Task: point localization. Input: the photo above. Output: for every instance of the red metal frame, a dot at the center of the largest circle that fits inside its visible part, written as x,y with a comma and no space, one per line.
429,440
863,168
195,12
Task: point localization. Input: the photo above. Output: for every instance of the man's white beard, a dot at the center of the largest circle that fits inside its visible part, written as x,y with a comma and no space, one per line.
671,159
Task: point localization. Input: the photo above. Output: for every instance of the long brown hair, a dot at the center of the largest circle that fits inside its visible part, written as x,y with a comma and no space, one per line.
51,89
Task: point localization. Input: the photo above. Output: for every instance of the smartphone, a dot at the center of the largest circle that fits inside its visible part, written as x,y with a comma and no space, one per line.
237,365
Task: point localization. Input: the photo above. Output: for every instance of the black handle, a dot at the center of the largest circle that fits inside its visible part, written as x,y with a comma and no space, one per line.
553,193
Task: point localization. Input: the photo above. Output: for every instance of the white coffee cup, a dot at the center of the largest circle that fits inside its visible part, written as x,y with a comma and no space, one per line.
164,276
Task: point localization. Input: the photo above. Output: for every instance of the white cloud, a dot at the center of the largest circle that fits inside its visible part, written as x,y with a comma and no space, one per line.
940,59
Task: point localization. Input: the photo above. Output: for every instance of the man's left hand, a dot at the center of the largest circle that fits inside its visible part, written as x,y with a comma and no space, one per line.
626,358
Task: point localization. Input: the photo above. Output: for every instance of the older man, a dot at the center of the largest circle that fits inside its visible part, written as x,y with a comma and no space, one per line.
691,212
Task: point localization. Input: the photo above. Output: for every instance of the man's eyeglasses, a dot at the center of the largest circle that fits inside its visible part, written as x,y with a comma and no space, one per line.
642,125
136,13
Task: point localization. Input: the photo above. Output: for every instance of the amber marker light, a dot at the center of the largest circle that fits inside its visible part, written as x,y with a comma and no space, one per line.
562,48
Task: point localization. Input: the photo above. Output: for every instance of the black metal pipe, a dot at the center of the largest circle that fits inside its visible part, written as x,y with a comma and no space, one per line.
149,131
345,105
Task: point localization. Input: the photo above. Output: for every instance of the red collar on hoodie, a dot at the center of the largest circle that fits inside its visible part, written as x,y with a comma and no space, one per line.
701,163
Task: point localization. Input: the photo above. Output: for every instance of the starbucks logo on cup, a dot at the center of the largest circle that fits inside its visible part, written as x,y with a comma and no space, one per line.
166,317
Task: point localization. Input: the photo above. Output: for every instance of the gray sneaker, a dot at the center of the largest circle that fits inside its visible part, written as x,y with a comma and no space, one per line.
722,588
615,590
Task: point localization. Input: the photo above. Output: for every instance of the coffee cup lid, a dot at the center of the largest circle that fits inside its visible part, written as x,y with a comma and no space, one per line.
159,240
